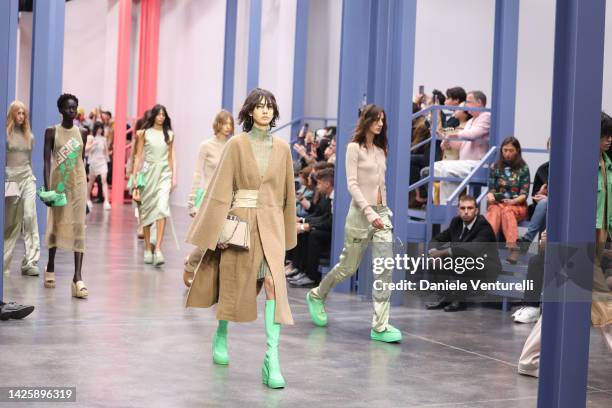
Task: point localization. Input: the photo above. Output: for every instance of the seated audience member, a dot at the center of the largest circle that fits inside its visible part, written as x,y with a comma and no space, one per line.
12,310
469,235
460,119
529,312
314,234
507,197
454,97
307,153
330,152
304,194
471,150
538,210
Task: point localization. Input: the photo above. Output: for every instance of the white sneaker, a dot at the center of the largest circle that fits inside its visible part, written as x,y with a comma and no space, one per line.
107,205
527,314
518,311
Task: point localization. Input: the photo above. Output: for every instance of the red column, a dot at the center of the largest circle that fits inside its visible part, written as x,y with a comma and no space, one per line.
121,101
148,55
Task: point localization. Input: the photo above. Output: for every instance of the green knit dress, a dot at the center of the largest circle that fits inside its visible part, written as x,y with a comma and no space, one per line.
261,142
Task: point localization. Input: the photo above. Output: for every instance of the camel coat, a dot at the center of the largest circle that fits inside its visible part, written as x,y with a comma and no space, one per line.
272,226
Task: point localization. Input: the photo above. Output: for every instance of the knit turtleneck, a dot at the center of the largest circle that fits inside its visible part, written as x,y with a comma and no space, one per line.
261,142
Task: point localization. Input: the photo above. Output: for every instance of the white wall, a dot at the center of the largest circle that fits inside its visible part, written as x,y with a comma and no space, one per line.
190,77
323,58
241,56
277,55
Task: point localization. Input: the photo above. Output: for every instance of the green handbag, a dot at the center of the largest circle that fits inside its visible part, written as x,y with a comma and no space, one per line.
199,197
140,181
56,199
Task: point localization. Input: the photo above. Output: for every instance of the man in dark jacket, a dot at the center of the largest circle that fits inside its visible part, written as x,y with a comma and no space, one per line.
469,235
314,234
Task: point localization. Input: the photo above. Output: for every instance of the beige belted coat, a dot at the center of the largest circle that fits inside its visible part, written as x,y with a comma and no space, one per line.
272,225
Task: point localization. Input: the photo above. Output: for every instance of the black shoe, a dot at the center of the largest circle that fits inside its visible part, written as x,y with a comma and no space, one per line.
523,244
437,305
455,307
12,310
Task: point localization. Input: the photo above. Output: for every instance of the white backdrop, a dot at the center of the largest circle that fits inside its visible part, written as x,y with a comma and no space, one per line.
453,47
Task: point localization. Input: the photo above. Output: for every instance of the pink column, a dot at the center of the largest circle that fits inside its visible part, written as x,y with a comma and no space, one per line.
148,55
121,101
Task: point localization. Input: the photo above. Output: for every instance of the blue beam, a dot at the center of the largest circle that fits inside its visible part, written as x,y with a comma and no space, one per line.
353,81
503,97
299,64
229,55
46,81
577,96
254,45
9,11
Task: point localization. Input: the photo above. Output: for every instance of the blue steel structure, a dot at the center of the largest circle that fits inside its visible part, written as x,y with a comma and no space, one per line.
46,82
503,97
299,62
229,55
9,11
577,96
254,44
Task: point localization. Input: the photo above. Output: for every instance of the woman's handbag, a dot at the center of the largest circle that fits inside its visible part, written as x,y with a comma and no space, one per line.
235,233
199,197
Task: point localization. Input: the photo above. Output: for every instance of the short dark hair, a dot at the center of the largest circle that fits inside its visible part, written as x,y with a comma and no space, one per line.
479,96
96,126
467,197
321,165
326,174
65,97
606,125
256,95
457,93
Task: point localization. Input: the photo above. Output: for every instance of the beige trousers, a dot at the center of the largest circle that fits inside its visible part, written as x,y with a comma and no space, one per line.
358,233
20,219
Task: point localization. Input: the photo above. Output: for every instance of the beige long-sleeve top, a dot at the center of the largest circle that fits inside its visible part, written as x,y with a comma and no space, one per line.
365,174
208,159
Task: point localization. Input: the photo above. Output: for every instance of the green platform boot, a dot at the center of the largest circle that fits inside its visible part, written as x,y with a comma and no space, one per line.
270,372
219,344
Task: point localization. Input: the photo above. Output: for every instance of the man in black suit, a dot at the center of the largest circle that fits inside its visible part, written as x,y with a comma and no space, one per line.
469,235
314,234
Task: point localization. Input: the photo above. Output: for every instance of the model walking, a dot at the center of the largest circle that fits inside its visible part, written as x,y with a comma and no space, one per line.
254,182
64,172
20,191
98,156
368,220
208,159
155,145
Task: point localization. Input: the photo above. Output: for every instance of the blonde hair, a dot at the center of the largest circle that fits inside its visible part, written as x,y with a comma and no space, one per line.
11,119
220,120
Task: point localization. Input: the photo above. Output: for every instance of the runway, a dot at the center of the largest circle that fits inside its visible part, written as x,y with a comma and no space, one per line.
133,343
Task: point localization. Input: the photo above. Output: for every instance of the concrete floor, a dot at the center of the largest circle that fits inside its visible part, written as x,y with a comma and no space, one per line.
133,344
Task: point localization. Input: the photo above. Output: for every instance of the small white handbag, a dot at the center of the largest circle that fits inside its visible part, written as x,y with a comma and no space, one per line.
11,189
235,233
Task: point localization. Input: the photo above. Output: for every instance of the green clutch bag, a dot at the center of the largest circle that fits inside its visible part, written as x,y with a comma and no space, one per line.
199,198
56,199
140,181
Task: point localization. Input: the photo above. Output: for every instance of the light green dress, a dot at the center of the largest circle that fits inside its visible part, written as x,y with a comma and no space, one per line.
155,195
261,143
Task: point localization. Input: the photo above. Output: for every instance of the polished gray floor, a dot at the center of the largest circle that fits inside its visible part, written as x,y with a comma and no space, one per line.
133,344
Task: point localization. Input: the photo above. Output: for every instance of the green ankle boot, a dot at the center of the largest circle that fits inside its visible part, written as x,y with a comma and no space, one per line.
219,345
270,372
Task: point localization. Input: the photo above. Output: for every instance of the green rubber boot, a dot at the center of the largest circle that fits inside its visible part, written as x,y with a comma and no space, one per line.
316,308
270,372
219,345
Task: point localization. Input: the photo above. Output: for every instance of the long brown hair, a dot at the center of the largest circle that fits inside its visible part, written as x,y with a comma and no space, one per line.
518,161
370,114
11,119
